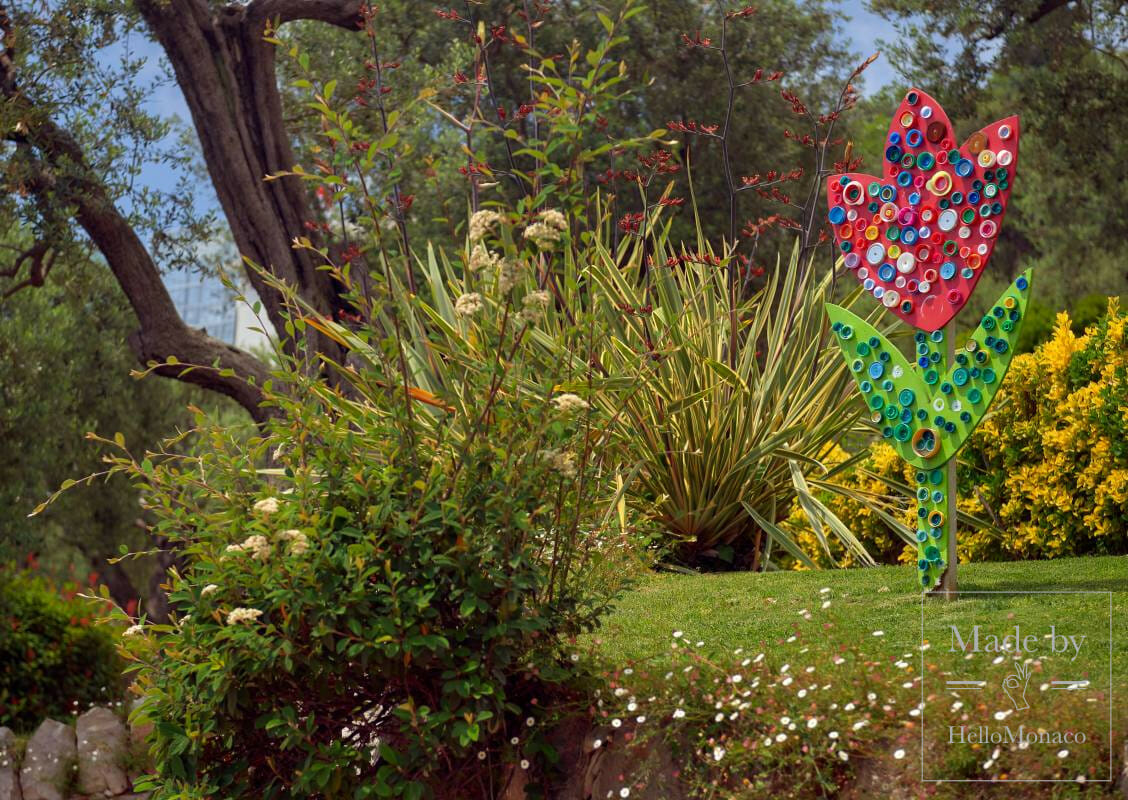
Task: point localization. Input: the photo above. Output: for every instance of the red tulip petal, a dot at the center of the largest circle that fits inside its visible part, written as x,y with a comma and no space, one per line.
923,259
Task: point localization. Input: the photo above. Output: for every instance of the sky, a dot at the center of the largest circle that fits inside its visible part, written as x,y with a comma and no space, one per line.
861,29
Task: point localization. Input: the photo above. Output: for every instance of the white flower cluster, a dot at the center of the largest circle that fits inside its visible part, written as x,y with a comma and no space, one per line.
534,305
243,615
468,305
299,542
211,588
548,229
267,506
482,258
134,630
508,274
569,402
562,462
481,223
257,545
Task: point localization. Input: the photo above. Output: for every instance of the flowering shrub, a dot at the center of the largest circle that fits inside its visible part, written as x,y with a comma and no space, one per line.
385,609
1046,474
52,661
1051,468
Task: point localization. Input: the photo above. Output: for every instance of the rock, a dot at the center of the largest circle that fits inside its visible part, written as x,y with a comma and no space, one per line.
48,761
9,774
102,750
139,734
1121,784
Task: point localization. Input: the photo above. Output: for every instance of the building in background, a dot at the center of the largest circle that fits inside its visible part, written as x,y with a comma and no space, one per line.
204,302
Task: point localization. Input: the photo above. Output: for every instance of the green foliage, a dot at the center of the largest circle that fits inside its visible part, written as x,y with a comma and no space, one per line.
53,661
57,383
728,398
675,380
668,81
386,609
1037,326
80,66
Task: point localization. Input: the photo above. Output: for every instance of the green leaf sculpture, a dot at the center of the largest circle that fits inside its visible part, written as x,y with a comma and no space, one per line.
927,410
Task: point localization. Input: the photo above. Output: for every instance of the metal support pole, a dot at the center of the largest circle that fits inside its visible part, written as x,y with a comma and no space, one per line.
947,587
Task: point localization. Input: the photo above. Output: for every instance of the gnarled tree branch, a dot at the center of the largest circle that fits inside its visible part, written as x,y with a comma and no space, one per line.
59,168
226,71
342,13
42,258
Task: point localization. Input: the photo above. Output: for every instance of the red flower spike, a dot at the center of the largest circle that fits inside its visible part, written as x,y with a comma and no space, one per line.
903,233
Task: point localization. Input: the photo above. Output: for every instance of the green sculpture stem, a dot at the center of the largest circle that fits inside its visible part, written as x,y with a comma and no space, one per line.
927,407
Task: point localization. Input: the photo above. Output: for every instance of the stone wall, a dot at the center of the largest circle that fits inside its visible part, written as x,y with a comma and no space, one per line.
96,757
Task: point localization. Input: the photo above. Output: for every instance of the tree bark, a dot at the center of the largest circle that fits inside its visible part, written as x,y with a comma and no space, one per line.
226,72
57,168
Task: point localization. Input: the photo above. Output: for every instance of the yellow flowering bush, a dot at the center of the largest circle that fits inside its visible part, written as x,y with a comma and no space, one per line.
1048,468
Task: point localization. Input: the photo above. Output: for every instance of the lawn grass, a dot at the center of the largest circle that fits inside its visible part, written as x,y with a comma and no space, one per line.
753,610
733,642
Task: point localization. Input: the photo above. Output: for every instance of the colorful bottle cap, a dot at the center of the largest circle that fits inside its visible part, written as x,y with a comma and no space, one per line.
926,442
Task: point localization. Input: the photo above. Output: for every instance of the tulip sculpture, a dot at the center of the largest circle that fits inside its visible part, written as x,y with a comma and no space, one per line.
919,237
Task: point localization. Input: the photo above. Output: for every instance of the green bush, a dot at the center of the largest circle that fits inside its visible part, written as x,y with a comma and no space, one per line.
1040,320
736,402
52,660
387,610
